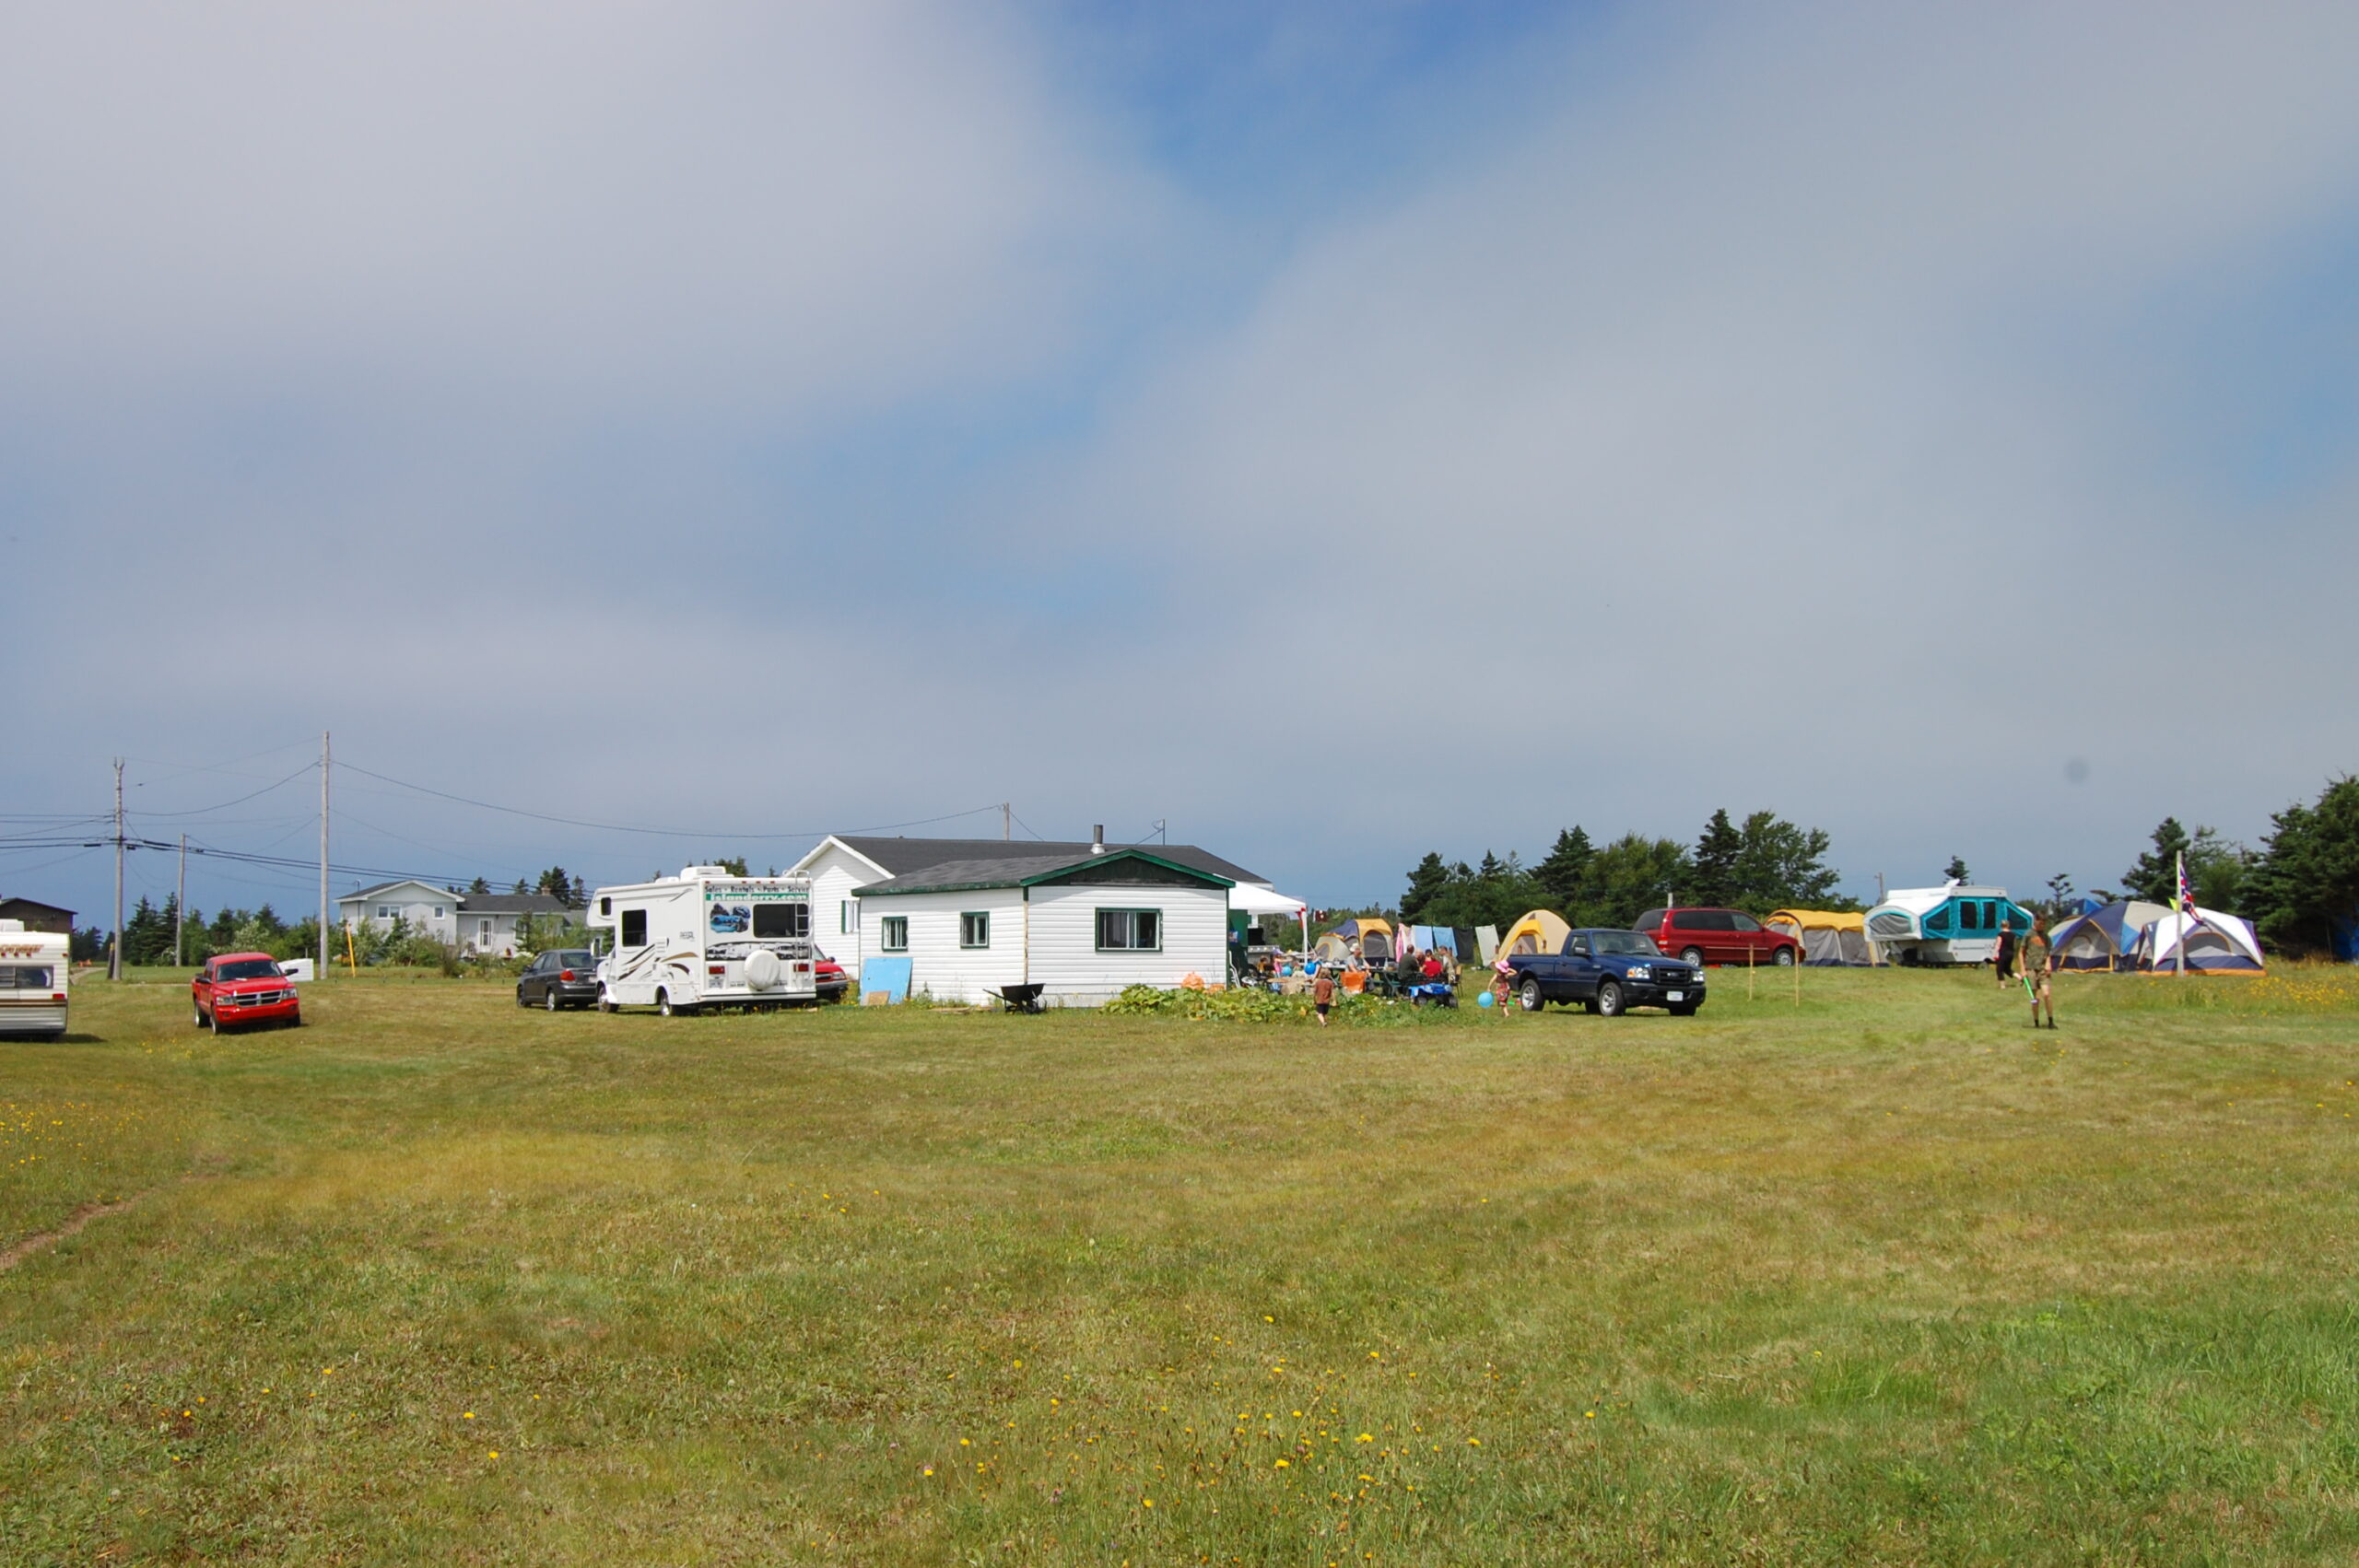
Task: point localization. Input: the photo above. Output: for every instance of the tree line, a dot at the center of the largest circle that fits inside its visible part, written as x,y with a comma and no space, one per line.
1761,864
2300,889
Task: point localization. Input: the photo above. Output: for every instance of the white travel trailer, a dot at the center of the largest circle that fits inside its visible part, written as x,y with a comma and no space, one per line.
33,968
706,938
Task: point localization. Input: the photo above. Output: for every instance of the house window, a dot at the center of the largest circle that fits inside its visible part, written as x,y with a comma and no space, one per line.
385,911
896,933
437,911
847,917
634,928
1130,931
975,930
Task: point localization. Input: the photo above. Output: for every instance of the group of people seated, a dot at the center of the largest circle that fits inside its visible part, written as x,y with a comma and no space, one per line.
1356,973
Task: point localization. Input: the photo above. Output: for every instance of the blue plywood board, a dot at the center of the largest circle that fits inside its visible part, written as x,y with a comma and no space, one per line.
889,974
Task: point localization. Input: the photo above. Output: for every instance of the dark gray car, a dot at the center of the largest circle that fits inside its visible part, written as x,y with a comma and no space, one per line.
564,977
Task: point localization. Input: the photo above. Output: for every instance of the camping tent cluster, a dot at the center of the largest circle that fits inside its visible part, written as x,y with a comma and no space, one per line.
1827,936
1374,938
2132,935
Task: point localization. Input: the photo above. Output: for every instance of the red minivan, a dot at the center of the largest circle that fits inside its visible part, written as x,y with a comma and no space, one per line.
1718,936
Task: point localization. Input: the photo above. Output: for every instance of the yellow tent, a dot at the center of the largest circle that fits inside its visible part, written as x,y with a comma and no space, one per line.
1542,930
1828,936
1374,936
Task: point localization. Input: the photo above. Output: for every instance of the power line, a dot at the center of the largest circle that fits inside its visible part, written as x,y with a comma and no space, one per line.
241,800
658,832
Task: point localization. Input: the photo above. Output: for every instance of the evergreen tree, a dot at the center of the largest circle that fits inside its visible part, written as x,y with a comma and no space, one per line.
1779,866
1632,873
2303,890
478,885
1714,879
2059,898
146,936
581,899
1425,883
734,864
557,884
1562,875
1956,871
524,888
2155,876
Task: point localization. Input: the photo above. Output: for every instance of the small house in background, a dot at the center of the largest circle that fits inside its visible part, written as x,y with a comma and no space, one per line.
38,916
479,925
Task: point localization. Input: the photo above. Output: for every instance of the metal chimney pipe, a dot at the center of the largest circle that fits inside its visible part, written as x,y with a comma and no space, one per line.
1097,839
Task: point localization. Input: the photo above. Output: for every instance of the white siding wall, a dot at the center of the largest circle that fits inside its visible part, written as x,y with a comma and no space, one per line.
938,966
1064,939
833,876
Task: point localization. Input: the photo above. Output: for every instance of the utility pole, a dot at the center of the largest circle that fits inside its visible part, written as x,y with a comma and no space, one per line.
180,903
324,854
114,950
1006,820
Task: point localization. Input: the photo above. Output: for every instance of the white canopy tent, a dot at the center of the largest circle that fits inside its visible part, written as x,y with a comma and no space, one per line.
1250,899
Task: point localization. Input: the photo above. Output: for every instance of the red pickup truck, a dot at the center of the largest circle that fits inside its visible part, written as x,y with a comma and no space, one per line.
239,988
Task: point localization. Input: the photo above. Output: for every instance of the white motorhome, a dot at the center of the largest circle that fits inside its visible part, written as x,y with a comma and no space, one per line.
33,969
706,938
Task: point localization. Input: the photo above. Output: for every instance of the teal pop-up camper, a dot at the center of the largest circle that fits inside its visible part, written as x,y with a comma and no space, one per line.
1950,924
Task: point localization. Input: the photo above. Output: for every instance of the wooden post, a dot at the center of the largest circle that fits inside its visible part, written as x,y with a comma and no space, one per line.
1797,968
1748,973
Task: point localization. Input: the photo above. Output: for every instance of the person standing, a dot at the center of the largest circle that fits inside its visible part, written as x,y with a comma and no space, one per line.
2005,960
2039,969
1322,995
1502,984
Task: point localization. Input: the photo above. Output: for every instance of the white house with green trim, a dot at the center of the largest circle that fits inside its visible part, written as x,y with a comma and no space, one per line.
1012,885
1082,920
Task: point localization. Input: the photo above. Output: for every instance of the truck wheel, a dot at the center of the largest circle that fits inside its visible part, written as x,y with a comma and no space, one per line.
1609,999
1694,956
1527,995
519,998
549,999
212,1021
1785,959
664,1004
199,1021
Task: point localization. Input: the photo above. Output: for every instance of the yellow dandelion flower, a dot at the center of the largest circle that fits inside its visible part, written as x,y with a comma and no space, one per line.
494,1453
1365,1437
469,1416
1283,1464
1147,1501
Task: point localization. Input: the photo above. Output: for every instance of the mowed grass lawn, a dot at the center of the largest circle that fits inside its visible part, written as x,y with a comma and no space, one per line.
1885,1276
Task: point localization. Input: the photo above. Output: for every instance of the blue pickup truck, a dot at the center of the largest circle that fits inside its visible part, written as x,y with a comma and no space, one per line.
1608,972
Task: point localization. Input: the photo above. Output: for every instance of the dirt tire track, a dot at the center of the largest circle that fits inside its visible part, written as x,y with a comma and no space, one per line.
74,1223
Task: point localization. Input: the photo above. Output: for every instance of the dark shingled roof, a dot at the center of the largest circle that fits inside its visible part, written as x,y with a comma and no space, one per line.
901,857
957,876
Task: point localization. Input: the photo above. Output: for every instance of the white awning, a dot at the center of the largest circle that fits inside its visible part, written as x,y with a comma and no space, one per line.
1254,900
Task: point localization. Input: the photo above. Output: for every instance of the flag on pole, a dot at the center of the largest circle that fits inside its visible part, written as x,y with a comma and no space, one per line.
2187,894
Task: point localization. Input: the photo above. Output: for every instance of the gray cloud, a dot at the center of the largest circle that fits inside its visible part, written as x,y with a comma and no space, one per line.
1755,411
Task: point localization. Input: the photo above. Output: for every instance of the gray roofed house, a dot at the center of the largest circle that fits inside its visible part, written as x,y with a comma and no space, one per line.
477,923
848,870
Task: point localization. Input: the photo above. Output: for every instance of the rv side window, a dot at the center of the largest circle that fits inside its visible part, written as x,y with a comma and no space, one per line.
783,919
23,977
634,928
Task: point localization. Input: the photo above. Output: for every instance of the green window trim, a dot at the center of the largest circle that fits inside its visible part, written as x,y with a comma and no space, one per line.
1135,930
894,937
974,928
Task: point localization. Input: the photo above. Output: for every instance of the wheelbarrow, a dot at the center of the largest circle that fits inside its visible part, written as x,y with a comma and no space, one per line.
1020,999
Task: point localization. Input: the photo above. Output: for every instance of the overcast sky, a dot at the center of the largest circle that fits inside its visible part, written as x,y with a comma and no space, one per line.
1337,431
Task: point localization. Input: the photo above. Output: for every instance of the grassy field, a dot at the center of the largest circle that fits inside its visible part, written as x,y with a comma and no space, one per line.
1885,1276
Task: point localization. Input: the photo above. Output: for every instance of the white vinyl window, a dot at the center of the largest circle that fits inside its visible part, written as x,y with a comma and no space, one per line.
975,930
847,917
1130,931
439,911
385,911
896,935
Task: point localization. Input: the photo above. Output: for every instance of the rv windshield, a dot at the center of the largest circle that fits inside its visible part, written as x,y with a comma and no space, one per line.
1626,942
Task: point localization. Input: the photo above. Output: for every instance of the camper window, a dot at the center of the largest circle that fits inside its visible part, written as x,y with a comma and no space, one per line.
783,919
634,928
23,977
